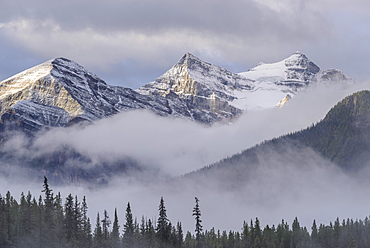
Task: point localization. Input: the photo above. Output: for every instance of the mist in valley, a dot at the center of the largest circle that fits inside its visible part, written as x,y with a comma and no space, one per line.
297,182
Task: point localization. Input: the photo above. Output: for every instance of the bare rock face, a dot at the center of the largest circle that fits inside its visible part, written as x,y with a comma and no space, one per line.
224,95
283,101
334,75
204,87
60,92
300,70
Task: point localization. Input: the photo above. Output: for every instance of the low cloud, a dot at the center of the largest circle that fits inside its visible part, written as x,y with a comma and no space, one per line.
176,146
283,185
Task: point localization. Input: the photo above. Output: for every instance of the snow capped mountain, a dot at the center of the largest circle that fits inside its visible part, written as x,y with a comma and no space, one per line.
207,85
203,86
60,92
297,70
275,81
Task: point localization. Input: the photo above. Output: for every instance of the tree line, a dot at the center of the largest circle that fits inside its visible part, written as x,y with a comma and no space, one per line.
47,222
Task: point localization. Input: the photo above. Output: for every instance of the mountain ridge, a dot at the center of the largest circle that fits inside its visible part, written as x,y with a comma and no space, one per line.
342,137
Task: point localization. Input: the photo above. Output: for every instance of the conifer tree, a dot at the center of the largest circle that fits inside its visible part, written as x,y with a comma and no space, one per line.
314,233
86,225
179,234
115,231
198,224
105,227
70,225
128,228
48,233
98,233
163,230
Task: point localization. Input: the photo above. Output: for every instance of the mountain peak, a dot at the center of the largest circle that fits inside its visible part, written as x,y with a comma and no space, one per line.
189,59
66,63
355,106
299,60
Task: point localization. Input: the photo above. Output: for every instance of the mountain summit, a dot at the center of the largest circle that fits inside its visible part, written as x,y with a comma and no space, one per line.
201,85
227,94
60,92
295,71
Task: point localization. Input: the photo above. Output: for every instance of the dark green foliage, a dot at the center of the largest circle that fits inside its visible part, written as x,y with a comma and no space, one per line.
198,225
163,230
24,224
98,233
115,239
343,136
128,228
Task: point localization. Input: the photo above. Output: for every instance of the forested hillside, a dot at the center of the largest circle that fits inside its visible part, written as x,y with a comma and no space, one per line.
343,136
47,222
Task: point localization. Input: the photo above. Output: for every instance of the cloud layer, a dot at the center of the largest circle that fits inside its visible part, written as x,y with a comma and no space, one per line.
282,186
133,42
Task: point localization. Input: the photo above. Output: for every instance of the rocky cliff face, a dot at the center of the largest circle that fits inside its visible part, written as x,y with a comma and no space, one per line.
226,94
60,93
204,87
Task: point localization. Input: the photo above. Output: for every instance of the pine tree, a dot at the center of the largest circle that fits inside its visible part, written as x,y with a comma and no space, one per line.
314,233
115,231
48,233
128,228
163,231
179,235
70,225
296,238
105,227
4,237
98,233
198,224
86,225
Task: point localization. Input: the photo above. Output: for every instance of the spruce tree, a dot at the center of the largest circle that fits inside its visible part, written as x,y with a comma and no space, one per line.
115,232
105,227
86,225
98,233
48,233
198,224
70,225
179,235
163,231
128,228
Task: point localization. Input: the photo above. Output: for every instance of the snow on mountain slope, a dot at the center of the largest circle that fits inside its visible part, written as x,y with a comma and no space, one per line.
205,88
60,92
207,85
296,70
274,81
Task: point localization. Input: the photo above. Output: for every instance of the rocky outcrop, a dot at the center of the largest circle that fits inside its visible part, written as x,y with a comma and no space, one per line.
60,93
204,87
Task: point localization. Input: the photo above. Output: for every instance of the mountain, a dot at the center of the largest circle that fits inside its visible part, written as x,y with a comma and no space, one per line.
225,94
276,83
295,71
59,93
203,86
342,138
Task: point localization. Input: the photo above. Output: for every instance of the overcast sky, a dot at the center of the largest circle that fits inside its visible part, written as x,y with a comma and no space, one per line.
131,42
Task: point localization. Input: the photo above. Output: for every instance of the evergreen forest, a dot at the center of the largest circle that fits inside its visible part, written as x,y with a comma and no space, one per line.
51,222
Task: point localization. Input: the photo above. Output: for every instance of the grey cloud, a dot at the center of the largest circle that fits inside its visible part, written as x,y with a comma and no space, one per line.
283,185
240,18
